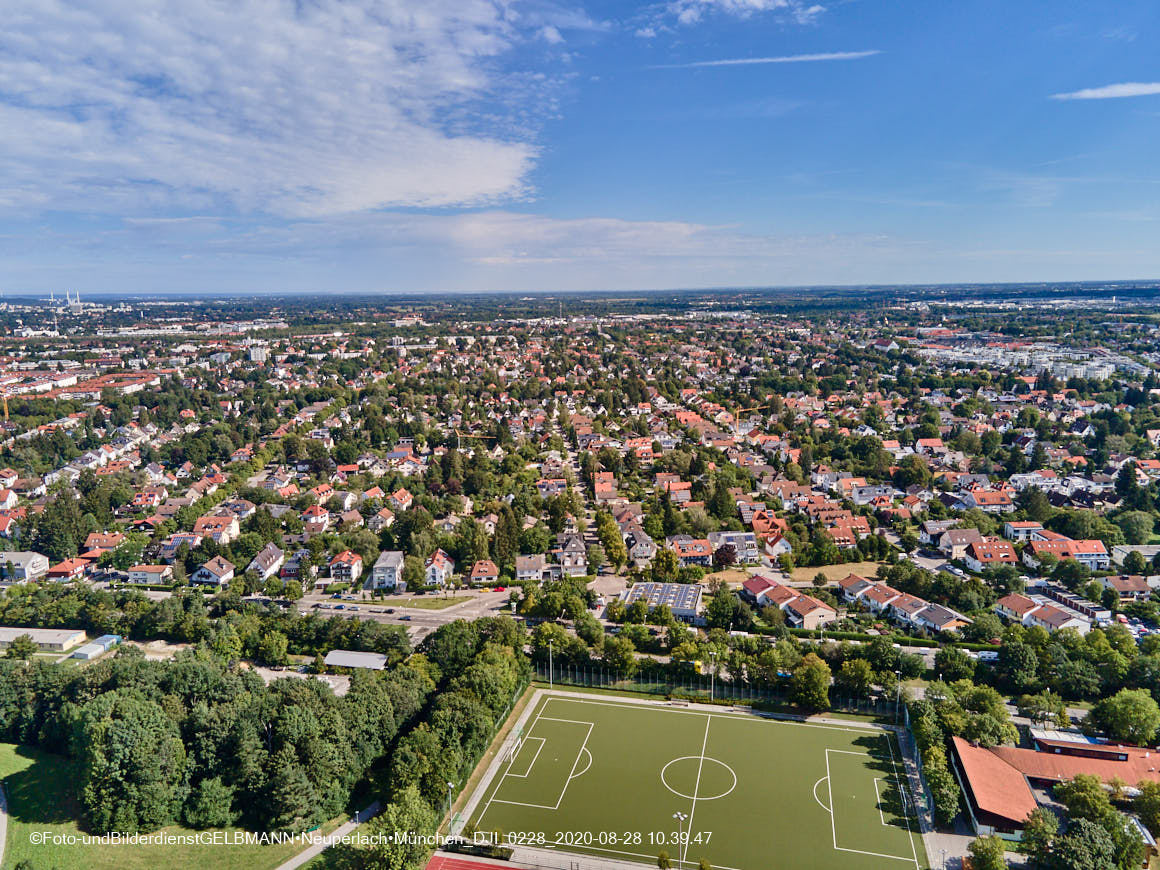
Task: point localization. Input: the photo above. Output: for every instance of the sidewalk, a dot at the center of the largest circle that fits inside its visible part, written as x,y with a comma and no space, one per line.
310,853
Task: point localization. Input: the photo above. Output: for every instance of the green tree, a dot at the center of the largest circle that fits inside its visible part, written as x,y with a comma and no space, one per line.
810,684
210,805
1136,525
1130,716
619,654
272,648
1135,563
22,647
664,565
292,798
132,763
1147,804
952,664
402,825
987,853
855,677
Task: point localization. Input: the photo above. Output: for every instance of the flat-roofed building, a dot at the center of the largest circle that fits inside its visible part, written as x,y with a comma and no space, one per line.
683,599
345,658
49,639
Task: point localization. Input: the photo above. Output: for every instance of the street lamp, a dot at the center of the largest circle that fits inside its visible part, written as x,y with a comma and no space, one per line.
450,785
897,693
712,676
680,817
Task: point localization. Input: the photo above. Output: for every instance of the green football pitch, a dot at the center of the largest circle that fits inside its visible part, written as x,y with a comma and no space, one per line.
613,778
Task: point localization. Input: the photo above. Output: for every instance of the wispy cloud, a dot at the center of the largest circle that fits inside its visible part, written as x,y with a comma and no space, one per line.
788,58
1112,92
692,11
270,106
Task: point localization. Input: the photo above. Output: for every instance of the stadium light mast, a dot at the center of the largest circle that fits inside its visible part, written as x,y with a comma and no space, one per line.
450,786
897,693
549,664
680,817
712,675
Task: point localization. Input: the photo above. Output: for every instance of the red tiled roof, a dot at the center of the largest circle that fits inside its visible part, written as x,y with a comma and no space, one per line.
998,788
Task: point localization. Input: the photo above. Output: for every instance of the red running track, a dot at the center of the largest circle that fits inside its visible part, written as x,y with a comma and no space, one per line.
440,862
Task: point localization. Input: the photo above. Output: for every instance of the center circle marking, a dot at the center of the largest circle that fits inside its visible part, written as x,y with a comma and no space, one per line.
700,761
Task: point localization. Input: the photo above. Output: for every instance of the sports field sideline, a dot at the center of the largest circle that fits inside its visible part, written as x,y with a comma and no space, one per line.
599,776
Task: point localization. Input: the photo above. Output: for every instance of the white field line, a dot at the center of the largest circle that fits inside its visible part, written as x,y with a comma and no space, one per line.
532,764
697,787
511,761
878,802
743,717
833,819
902,802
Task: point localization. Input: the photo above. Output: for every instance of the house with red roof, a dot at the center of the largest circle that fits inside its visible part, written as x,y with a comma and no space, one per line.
346,567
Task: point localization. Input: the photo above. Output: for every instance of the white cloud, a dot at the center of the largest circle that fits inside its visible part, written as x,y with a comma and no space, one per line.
789,58
260,105
551,35
1109,92
512,243
692,11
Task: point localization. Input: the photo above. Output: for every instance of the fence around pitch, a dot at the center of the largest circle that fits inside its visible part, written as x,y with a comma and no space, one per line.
698,687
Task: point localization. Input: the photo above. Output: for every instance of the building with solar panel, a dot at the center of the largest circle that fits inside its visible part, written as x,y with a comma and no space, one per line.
683,599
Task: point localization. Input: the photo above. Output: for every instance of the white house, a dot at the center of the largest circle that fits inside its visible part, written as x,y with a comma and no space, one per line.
439,568
387,572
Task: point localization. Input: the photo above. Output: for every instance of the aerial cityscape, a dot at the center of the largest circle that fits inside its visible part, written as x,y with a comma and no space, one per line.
482,434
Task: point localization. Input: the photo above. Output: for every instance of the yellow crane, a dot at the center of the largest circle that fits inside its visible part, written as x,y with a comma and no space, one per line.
459,435
737,415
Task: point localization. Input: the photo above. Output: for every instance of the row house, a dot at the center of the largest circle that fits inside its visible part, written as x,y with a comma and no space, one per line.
1029,612
801,610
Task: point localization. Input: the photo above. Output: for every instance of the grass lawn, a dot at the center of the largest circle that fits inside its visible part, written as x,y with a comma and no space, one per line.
836,572
731,576
428,602
42,797
602,777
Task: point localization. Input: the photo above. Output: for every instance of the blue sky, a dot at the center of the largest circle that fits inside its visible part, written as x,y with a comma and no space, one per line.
431,145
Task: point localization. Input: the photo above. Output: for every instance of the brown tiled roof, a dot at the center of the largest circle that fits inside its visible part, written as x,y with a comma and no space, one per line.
998,788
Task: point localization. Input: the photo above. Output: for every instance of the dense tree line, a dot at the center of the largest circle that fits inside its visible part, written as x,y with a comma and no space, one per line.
188,616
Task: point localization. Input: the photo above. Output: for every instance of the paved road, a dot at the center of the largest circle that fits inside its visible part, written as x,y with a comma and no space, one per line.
310,853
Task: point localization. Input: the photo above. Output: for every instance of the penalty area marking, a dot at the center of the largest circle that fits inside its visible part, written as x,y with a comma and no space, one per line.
531,764
833,817
826,780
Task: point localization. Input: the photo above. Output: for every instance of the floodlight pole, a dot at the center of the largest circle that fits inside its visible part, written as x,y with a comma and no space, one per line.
712,676
681,817
897,693
450,785
549,665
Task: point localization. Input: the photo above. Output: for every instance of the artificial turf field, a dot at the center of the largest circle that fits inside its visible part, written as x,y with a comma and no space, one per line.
602,777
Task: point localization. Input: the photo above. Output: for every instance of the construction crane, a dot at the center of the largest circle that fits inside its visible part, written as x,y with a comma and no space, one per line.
459,435
740,411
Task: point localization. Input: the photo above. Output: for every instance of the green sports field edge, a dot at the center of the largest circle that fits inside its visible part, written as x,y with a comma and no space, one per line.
628,779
